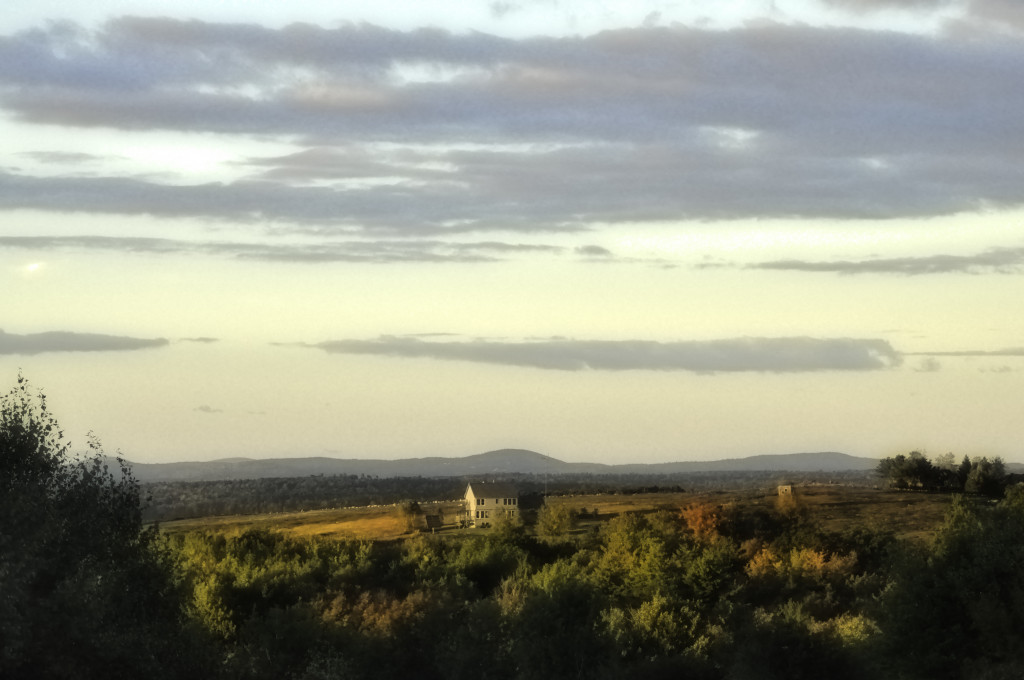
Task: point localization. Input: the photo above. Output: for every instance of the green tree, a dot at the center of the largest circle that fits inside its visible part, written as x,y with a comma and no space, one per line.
956,609
986,477
412,514
84,591
557,630
913,471
555,520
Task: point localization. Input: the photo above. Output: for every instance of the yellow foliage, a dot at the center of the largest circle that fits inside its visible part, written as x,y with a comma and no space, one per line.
702,519
764,563
849,629
807,561
801,563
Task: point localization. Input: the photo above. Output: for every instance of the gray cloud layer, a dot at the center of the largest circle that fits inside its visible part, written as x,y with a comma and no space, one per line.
878,5
64,341
350,251
1007,352
779,355
545,133
995,260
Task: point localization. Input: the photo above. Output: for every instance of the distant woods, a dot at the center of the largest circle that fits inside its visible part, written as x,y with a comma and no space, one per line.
178,500
974,476
181,500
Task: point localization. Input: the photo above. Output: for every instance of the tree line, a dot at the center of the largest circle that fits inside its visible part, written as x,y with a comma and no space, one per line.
974,476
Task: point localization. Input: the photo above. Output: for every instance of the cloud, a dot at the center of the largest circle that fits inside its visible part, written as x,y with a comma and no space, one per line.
393,251
204,408
62,157
928,365
594,251
985,17
881,5
428,131
1007,352
203,340
778,355
64,341
500,9
994,260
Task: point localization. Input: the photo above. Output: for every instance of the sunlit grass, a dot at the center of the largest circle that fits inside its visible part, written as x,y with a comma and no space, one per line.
834,507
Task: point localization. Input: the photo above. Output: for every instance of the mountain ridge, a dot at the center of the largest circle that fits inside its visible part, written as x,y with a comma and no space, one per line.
498,461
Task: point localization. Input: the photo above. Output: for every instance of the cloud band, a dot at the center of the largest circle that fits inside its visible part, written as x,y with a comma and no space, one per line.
64,341
776,355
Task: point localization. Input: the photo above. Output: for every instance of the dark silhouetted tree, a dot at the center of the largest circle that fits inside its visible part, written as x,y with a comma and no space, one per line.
84,591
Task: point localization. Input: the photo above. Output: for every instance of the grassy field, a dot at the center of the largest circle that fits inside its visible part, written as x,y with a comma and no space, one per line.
836,507
910,514
381,523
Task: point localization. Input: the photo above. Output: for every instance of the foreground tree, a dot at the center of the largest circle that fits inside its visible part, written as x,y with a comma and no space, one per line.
955,609
83,591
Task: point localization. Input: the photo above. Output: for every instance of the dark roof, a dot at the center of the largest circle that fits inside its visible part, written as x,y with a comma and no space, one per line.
493,490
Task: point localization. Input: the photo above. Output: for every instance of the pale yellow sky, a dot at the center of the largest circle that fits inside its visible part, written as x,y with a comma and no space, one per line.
599,232
267,400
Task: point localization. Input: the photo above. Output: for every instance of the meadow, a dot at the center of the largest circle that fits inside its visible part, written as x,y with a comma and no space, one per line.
835,507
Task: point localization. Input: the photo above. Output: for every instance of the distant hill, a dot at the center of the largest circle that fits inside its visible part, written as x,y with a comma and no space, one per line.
503,461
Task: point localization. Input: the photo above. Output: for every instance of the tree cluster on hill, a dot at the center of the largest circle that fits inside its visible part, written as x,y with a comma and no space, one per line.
914,471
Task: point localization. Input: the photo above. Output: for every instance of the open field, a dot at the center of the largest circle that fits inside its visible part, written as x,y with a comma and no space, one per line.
836,507
381,523
910,514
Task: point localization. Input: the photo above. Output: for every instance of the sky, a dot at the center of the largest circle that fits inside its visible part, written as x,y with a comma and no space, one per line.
605,231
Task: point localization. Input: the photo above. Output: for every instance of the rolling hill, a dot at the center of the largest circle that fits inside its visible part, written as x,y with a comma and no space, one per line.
503,461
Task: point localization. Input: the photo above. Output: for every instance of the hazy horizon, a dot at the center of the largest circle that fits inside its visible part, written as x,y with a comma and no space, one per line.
480,453
653,232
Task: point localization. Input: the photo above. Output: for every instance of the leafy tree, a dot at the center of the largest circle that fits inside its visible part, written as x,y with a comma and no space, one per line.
913,471
634,562
556,632
963,471
85,592
412,514
487,560
555,520
986,477
956,609
508,528
702,519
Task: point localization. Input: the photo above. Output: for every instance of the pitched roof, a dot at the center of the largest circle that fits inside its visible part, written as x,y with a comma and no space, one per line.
493,490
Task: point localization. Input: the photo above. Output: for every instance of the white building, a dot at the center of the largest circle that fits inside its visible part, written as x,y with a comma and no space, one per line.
487,501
